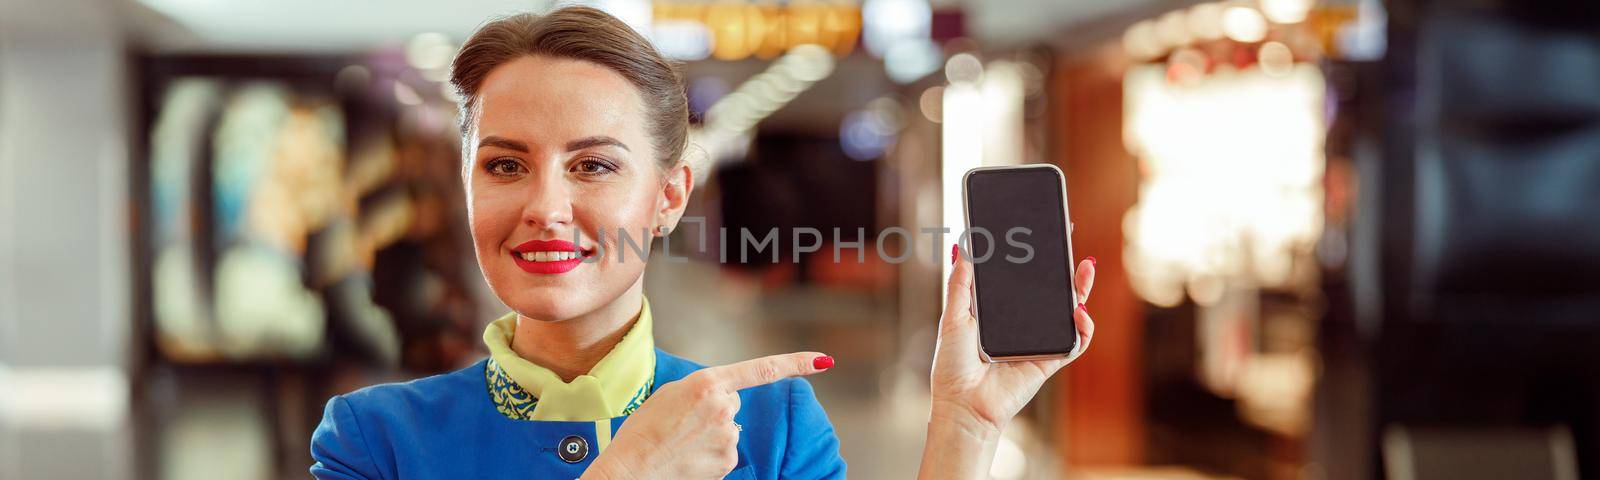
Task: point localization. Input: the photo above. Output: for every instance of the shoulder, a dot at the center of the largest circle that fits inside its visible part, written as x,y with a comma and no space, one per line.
436,390
361,430
383,409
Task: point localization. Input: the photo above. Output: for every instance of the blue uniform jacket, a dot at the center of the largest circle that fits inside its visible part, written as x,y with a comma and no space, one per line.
446,426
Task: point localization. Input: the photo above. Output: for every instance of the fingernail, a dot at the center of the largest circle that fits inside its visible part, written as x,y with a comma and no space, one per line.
822,363
955,252
1091,260
1083,309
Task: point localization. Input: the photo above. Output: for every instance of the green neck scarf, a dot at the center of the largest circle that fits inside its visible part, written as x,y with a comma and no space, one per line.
615,387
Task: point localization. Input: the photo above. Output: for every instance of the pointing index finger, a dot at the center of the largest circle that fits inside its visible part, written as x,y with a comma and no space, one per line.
765,370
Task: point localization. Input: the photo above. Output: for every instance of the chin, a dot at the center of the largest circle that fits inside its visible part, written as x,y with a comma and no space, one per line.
549,304
541,300
554,298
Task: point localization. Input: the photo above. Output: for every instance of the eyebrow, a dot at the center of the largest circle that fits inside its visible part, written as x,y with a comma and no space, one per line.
502,142
594,141
579,144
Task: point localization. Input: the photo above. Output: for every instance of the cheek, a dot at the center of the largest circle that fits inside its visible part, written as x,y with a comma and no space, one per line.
492,216
627,207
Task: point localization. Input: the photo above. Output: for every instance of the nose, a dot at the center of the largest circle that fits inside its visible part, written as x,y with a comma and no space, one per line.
549,202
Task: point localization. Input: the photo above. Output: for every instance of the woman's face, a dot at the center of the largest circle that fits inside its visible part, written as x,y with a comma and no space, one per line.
558,154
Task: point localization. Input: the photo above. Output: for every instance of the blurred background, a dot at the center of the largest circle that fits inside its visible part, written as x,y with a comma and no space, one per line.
1337,239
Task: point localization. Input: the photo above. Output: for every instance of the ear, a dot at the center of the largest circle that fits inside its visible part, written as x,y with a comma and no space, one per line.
675,190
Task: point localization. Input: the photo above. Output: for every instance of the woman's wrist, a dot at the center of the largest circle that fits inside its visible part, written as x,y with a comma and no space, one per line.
960,444
608,468
964,419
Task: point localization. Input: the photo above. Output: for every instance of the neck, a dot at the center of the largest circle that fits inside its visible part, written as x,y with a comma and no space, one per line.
572,347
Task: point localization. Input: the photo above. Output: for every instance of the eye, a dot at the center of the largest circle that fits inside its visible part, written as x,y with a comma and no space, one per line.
593,166
503,167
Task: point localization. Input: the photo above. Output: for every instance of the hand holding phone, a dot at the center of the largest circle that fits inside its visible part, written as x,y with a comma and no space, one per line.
971,394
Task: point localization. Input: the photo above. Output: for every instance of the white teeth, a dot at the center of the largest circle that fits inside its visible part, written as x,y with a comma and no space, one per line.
549,256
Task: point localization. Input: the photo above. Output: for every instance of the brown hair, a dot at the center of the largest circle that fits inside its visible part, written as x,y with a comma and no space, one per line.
580,33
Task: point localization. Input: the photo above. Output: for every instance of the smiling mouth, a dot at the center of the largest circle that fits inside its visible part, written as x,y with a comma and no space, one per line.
549,256
545,257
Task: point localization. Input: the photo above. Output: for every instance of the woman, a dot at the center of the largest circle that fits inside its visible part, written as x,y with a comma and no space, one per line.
573,128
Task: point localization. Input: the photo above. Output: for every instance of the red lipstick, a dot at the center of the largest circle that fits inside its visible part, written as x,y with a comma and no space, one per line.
547,256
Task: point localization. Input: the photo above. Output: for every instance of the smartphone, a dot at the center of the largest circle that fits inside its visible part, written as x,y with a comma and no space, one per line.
1017,239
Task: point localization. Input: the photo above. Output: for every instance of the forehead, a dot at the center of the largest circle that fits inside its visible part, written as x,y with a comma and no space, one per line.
546,99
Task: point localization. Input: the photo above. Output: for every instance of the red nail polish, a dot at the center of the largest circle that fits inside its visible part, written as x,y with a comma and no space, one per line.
1091,261
1083,309
955,252
822,363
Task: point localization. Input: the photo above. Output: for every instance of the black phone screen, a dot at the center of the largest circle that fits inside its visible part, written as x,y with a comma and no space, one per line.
1022,269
